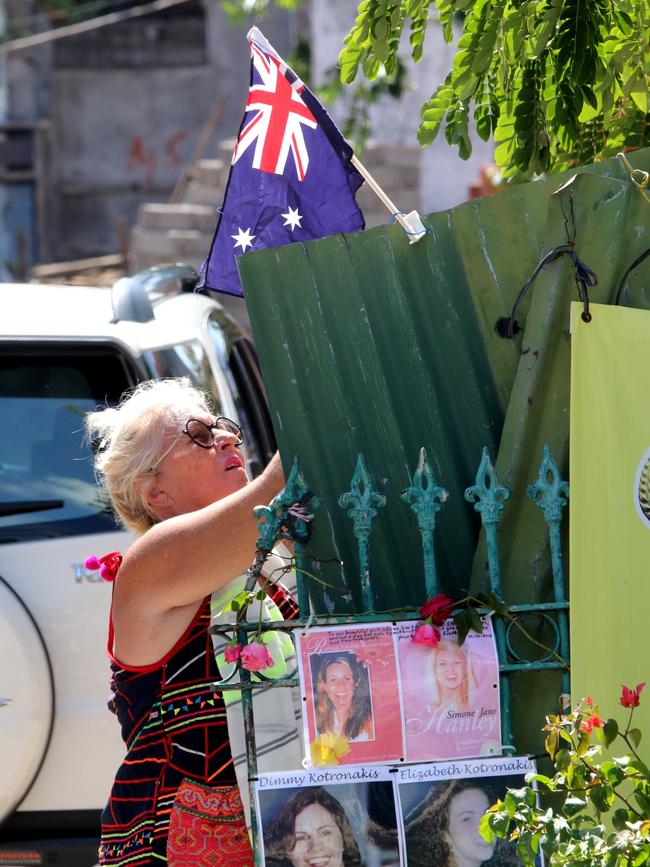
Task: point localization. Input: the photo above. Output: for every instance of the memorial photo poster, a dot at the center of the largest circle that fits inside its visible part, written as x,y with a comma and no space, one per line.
450,694
423,815
435,703
329,817
441,805
349,682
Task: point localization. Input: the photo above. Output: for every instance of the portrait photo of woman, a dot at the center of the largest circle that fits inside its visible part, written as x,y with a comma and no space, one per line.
450,695
442,827
452,678
346,825
312,828
342,699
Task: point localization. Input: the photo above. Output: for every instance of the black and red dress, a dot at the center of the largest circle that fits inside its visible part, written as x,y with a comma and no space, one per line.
175,798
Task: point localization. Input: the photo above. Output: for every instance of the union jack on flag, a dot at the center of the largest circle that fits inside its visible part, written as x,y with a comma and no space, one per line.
275,128
291,178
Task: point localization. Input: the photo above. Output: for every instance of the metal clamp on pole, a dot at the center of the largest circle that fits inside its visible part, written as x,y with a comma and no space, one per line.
411,223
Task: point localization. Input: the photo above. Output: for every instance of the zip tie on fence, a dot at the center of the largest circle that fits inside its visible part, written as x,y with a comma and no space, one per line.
638,177
507,326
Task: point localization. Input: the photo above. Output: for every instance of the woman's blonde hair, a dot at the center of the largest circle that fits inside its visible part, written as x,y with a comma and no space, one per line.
131,437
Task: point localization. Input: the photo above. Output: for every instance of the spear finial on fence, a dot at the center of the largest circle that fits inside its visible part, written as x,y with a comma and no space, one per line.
425,497
362,502
549,492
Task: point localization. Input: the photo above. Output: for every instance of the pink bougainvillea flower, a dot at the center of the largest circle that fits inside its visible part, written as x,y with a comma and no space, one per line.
630,697
232,652
107,565
426,634
255,656
437,609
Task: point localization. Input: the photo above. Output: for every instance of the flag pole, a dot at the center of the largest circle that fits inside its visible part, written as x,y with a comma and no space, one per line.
411,223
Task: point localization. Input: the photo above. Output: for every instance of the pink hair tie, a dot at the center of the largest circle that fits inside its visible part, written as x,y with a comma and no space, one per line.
107,565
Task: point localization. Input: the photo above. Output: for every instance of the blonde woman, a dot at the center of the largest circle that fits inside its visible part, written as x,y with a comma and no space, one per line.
175,475
453,679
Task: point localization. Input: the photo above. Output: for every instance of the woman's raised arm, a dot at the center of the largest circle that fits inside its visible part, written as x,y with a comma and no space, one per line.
184,558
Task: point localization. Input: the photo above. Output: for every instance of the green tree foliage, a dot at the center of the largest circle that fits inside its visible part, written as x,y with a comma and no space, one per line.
555,82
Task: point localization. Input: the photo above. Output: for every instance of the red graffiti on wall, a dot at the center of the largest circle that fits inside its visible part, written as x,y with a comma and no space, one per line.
174,158
148,158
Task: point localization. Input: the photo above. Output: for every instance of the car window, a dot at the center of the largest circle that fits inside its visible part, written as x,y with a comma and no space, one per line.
184,359
47,485
238,363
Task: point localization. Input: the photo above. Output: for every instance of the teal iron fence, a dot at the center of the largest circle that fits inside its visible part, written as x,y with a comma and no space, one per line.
291,514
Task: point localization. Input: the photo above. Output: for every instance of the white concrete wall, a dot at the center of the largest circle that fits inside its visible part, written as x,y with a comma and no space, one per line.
445,178
123,131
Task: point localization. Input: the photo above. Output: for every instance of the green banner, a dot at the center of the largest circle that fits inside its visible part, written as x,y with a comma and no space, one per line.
610,506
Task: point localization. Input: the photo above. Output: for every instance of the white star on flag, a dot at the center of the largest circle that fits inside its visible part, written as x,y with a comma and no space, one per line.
292,219
243,238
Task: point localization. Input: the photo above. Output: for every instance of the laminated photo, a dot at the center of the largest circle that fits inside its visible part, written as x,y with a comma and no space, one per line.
450,693
351,699
441,805
329,817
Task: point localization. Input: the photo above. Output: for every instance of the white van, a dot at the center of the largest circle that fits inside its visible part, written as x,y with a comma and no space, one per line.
63,351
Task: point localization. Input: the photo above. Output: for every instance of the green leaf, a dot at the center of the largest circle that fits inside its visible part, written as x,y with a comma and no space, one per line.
550,744
610,731
349,60
463,621
539,778
620,818
635,736
476,623
238,602
639,94
489,600
434,112
497,822
573,806
601,796
382,52
485,828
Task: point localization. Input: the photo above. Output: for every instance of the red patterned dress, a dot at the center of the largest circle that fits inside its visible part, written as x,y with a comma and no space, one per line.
175,799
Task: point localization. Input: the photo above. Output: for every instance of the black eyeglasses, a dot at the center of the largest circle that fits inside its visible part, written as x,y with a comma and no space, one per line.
204,434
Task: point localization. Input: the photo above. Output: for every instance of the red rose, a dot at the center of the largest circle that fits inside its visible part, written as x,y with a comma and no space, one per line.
232,652
437,609
256,657
426,634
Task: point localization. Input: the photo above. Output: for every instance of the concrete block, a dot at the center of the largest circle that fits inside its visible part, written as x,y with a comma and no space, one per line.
202,218
197,193
211,173
190,246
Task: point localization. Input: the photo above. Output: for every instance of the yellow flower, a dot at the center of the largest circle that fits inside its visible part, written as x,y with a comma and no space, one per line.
328,748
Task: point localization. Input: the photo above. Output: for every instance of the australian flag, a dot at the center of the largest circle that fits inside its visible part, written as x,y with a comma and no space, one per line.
291,178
